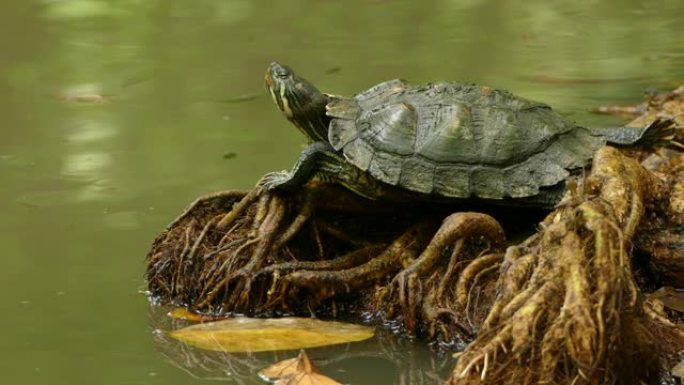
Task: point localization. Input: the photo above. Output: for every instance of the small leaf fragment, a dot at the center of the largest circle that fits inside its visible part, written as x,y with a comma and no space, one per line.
280,369
296,371
670,297
678,370
260,335
185,314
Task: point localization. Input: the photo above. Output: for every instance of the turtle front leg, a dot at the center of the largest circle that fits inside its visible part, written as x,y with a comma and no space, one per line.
319,160
308,165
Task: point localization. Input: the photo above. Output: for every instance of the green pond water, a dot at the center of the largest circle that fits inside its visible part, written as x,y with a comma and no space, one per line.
85,185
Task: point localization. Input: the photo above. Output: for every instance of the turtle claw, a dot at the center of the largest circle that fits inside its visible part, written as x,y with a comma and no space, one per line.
275,179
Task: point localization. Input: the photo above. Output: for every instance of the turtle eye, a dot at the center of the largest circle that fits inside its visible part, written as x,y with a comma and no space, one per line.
279,71
282,72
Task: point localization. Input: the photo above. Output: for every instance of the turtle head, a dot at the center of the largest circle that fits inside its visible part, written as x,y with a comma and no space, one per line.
300,101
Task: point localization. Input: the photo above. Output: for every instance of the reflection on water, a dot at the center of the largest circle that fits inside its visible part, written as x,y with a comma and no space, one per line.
110,108
123,220
92,170
86,165
84,9
87,131
385,353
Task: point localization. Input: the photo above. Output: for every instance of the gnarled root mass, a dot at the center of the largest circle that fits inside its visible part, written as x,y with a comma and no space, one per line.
568,310
564,306
561,307
325,250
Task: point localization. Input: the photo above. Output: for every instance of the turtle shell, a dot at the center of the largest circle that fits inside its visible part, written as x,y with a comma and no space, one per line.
457,140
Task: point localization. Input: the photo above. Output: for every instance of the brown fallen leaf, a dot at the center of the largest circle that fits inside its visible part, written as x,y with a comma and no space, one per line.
678,370
296,371
260,335
281,369
670,297
628,110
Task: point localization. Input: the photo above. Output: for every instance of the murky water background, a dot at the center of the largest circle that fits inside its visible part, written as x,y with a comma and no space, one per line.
86,185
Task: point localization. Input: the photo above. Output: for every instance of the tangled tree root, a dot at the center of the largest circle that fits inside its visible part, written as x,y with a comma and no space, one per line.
568,309
563,306
265,253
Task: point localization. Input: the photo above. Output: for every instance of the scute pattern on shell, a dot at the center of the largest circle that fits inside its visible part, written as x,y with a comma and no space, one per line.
457,140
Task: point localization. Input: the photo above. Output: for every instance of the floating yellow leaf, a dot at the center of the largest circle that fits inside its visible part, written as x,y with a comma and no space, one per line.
260,335
296,371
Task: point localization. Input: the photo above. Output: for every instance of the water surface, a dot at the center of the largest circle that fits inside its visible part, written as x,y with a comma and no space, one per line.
115,115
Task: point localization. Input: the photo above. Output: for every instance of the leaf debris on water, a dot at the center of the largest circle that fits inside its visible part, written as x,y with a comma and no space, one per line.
259,335
296,371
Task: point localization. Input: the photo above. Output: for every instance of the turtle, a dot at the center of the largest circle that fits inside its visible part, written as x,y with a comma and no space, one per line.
445,140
